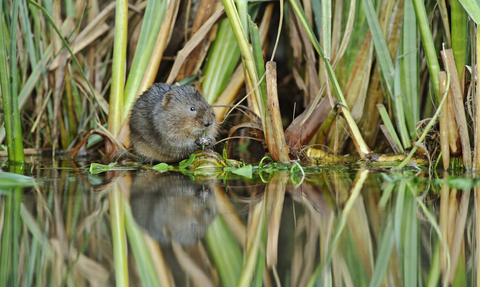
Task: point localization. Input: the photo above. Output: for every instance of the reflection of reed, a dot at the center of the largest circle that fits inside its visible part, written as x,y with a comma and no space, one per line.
337,228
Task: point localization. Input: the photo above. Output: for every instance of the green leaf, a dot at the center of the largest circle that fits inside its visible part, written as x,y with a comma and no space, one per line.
245,171
186,162
162,167
472,9
96,168
11,180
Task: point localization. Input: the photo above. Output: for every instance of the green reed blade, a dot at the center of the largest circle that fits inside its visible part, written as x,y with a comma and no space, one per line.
8,83
7,236
117,219
398,215
221,62
410,242
399,107
258,56
381,49
27,29
17,198
32,258
409,64
473,9
389,125
383,255
152,21
225,251
242,7
145,265
460,42
386,194
428,45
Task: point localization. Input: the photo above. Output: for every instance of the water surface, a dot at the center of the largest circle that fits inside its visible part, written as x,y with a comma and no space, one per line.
332,227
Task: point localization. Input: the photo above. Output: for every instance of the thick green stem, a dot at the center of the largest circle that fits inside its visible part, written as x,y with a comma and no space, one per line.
117,219
118,69
8,82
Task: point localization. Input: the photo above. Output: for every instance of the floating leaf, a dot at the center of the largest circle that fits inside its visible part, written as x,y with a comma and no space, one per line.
245,171
162,167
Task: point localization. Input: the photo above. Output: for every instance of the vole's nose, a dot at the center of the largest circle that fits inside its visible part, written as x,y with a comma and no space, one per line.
207,123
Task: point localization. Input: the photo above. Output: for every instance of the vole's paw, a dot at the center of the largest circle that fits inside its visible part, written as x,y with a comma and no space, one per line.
204,141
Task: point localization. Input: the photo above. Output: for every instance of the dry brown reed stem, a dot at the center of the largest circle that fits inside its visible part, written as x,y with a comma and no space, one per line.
476,219
83,86
204,12
163,38
310,251
105,135
442,77
476,72
192,43
91,32
448,61
275,192
274,110
163,272
458,232
190,267
444,200
453,136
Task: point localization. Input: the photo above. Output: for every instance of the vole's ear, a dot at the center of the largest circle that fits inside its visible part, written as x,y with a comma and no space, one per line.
167,98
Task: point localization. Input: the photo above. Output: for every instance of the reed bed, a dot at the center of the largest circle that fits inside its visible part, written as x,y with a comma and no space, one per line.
365,75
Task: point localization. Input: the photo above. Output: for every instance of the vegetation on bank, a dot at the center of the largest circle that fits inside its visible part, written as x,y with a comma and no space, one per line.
360,75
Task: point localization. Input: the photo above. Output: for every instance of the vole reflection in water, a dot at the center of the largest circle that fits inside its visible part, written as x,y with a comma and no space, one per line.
171,207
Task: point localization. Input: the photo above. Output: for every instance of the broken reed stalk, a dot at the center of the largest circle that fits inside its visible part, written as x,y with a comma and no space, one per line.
444,143
476,163
275,191
461,120
453,135
274,110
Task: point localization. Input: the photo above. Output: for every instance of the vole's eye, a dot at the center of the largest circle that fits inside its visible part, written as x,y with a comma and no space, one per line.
192,109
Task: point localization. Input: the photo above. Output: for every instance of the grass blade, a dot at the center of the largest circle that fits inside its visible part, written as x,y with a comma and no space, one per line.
116,104
428,45
225,251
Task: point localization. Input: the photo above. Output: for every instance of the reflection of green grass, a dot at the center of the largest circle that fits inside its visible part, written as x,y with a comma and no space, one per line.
61,234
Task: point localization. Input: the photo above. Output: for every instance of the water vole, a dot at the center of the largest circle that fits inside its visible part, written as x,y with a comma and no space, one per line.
167,123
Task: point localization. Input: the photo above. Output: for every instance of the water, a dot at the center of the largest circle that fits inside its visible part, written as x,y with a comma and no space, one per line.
333,227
